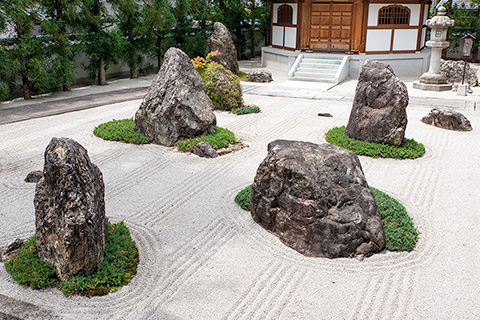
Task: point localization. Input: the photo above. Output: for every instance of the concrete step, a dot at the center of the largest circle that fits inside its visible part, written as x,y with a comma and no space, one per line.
322,61
326,80
319,65
301,68
314,75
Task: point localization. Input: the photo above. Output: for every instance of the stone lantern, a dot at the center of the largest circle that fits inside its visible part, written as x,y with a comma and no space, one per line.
433,80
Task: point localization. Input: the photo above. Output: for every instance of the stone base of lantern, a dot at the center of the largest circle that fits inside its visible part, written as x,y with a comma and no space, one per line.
431,86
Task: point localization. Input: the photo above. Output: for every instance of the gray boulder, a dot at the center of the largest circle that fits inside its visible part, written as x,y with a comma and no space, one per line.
447,119
379,108
260,76
316,200
71,226
176,106
7,251
221,40
205,150
453,71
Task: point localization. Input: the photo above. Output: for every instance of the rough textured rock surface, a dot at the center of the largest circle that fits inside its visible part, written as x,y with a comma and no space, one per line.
176,106
7,251
205,150
447,119
223,87
260,76
221,40
71,226
34,176
316,200
453,70
379,109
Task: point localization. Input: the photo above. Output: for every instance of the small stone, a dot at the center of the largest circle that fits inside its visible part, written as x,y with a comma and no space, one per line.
447,119
6,251
260,76
176,106
316,200
221,40
205,150
34,176
379,108
70,221
328,115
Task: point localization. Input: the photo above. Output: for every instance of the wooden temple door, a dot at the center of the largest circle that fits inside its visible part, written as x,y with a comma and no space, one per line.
331,26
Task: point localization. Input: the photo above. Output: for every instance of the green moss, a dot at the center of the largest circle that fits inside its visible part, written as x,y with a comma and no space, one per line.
410,149
120,130
246,110
27,269
222,138
243,198
400,232
119,264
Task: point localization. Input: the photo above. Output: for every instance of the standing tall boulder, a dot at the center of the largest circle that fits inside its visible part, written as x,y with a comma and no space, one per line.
176,106
316,200
454,70
379,109
221,40
71,226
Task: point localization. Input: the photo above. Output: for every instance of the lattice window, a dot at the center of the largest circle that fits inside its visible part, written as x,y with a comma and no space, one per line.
394,15
285,15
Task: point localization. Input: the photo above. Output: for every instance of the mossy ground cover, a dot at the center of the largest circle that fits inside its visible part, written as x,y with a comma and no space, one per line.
242,75
222,138
119,265
120,130
400,232
246,110
410,149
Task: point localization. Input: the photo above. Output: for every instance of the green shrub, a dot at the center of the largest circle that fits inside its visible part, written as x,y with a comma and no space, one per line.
120,130
400,232
246,110
222,87
222,138
27,269
119,264
243,198
242,75
410,149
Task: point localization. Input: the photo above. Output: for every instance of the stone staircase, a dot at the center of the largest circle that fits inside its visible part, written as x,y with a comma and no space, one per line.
318,68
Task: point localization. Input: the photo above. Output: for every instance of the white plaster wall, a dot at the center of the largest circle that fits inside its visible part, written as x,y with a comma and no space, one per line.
425,14
378,40
275,12
405,39
373,13
290,37
277,36
424,35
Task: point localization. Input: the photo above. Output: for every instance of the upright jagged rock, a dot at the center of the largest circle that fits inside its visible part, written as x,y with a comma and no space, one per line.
221,40
316,200
176,106
453,71
379,109
71,226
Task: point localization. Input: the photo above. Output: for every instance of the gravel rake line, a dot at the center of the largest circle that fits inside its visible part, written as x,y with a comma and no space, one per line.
367,295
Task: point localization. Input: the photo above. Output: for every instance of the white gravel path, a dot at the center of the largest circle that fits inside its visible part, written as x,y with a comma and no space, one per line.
202,257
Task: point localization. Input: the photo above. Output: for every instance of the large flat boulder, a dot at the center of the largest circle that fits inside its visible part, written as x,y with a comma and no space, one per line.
447,119
379,108
221,40
71,226
316,200
176,106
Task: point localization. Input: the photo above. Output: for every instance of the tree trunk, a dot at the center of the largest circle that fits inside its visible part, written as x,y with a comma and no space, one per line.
159,53
66,87
133,73
252,34
101,75
27,94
